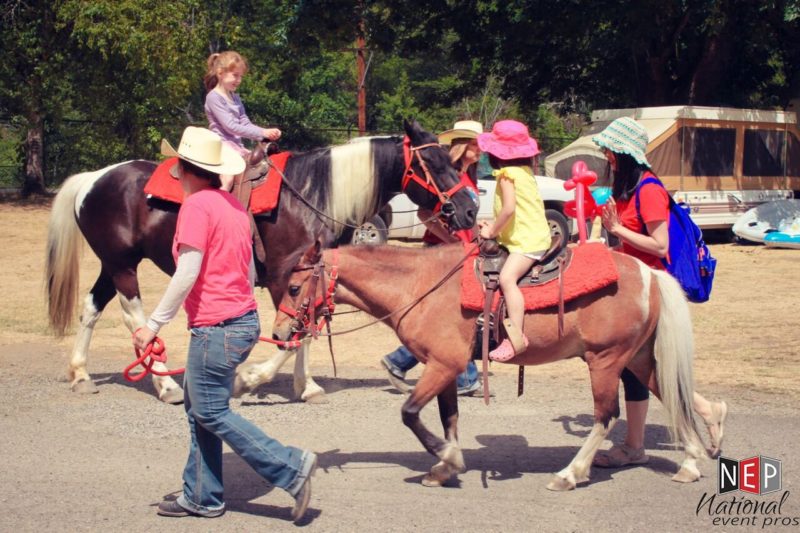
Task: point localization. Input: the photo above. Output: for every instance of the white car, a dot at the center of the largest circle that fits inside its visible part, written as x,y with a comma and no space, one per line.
400,214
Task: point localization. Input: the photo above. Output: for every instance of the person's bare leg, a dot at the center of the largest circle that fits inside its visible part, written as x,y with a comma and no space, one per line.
636,416
516,266
713,414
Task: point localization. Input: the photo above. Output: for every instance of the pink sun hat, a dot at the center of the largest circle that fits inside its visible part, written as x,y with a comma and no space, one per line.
509,139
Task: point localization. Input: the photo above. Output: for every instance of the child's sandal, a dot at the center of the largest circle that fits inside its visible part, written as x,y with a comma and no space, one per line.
505,352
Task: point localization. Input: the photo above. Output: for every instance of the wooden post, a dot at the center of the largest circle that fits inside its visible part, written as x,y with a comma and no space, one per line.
362,90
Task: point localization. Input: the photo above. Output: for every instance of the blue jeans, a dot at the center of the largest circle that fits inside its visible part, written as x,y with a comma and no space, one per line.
214,353
405,361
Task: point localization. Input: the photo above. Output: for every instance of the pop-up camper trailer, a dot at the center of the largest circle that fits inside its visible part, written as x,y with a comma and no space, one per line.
721,161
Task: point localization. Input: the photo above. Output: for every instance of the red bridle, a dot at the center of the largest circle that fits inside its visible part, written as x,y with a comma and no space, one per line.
304,317
428,183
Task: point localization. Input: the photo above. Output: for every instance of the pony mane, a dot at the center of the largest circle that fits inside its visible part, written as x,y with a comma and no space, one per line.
353,184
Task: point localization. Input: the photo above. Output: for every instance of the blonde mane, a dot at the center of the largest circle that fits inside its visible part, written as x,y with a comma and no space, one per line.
353,186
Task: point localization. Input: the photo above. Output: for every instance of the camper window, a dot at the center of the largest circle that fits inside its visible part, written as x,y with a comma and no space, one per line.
793,156
710,151
763,153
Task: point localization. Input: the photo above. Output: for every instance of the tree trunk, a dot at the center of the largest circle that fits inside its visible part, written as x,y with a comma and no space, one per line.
710,69
34,158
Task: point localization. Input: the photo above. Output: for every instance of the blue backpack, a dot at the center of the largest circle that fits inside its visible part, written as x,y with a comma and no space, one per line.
689,261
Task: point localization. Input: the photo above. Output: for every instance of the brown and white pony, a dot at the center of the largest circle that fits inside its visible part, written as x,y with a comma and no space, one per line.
641,322
347,184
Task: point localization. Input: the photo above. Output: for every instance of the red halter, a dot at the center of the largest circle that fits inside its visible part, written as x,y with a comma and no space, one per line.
428,183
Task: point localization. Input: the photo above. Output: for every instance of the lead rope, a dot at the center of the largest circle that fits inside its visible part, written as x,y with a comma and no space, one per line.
154,352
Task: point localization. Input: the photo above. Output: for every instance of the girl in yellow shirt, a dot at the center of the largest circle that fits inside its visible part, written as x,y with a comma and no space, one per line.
520,223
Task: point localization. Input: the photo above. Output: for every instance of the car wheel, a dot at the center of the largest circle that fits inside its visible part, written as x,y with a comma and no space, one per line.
558,225
371,232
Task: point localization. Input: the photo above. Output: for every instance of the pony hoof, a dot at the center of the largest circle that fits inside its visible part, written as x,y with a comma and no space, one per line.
239,387
85,386
685,475
430,481
559,484
172,396
439,474
317,399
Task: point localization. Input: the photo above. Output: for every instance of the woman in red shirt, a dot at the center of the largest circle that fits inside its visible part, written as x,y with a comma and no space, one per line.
624,143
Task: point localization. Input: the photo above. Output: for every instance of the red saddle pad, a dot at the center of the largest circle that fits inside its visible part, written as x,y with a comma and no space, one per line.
162,185
591,269
264,198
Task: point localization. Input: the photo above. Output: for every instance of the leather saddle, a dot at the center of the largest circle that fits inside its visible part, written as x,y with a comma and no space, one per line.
493,257
254,175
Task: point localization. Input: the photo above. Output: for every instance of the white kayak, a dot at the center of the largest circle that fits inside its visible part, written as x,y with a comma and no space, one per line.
754,225
787,236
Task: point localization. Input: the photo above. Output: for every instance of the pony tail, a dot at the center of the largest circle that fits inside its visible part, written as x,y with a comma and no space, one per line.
674,352
210,77
64,241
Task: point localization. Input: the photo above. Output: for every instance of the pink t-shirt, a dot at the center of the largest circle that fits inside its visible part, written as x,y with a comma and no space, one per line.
215,223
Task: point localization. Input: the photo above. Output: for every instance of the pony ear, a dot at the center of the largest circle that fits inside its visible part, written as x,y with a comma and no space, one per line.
313,254
413,130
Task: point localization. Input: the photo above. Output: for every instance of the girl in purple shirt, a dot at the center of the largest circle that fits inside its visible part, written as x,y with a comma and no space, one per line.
225,110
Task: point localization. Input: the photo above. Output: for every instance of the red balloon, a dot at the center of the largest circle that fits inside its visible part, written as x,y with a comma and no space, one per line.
579,167
590,207
584,205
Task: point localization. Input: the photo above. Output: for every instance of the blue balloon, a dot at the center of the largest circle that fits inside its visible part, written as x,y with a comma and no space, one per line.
601,195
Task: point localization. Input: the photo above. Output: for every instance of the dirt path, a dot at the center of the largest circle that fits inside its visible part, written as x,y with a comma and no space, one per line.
102,462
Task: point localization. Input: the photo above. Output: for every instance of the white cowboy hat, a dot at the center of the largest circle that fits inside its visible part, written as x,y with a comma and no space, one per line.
463,129
205,149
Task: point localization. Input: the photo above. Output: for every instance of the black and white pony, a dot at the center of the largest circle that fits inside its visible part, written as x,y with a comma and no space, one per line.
347,184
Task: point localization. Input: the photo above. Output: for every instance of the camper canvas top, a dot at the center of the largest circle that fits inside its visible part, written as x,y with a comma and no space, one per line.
721,161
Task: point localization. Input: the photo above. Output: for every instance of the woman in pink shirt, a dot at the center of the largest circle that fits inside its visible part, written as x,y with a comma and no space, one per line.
214,279
225,110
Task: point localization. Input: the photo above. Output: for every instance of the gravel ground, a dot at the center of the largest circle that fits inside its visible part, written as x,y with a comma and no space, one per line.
103,462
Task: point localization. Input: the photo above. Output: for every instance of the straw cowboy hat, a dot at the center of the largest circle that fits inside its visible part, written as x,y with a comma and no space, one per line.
509,139
463,129
205,149
625,136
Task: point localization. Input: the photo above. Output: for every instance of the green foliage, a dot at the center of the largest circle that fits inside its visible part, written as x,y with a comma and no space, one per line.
550,130
106,80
